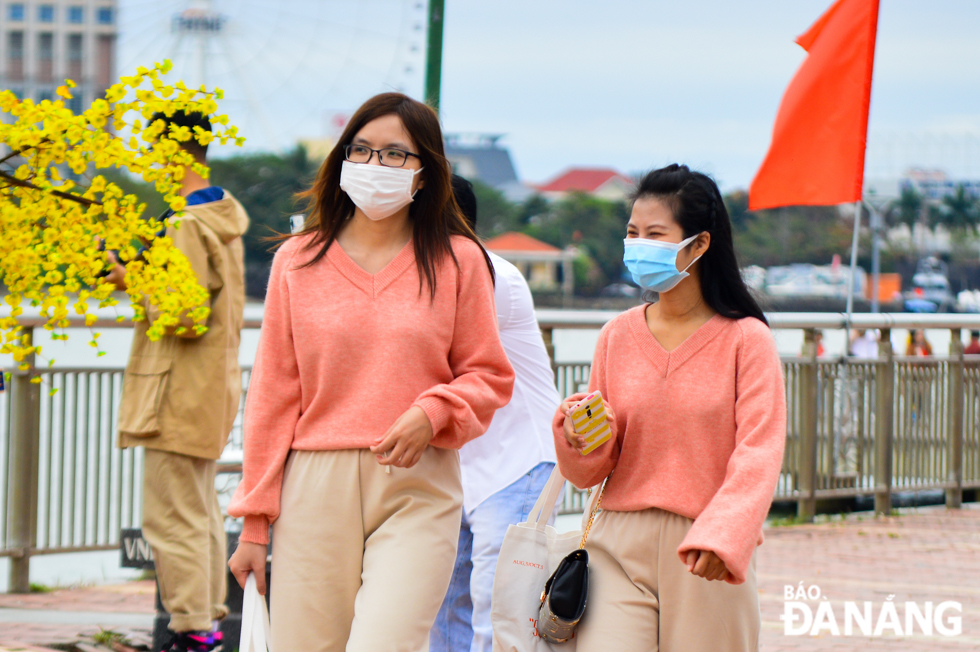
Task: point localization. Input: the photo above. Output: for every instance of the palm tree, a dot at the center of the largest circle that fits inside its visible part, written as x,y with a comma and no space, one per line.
960,211
908,209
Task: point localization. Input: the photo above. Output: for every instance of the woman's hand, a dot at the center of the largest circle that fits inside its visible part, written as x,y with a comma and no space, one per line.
117,275
405,440
249,558
575,440
706,564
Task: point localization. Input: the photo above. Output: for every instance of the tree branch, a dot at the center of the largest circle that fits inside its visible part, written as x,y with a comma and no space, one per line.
18,152
13,181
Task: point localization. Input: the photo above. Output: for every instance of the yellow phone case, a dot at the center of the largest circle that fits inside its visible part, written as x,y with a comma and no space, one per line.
589,419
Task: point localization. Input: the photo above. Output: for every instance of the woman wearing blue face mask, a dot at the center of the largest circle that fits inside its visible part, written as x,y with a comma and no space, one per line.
694,390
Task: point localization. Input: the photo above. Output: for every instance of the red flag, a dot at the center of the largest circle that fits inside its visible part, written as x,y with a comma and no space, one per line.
817,153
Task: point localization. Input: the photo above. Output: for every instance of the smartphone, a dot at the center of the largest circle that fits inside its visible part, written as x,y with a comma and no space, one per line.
589,419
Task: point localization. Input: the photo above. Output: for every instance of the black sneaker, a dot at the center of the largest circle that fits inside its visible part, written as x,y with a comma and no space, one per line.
194,642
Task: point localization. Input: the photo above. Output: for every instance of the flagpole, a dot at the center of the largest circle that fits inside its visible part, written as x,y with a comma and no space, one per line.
850,280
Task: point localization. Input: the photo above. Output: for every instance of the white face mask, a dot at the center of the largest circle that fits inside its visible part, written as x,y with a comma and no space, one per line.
377,190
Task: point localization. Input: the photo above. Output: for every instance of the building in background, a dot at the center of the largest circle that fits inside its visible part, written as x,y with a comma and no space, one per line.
932,185
42,43
546,268
604,183
480,157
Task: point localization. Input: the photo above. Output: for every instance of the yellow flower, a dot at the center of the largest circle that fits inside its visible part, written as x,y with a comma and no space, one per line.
50,254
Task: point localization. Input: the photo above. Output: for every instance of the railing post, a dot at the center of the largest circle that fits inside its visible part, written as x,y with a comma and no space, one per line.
22,471
954,451
884,430
806,506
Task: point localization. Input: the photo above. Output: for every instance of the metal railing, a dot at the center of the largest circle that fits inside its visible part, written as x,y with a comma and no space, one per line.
855,427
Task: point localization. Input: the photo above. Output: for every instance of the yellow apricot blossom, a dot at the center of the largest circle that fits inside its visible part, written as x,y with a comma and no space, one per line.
56,230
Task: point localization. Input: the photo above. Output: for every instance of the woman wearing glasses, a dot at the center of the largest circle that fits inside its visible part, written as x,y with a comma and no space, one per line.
696,390
379,358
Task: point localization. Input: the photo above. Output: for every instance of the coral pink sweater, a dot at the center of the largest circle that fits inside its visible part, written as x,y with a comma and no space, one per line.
343,353
699,430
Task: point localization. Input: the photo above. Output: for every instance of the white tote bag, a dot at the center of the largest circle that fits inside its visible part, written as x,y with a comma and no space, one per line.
529,555
256,635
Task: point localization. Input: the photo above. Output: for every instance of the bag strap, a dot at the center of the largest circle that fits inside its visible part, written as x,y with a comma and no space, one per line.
597,499
256,635
541,512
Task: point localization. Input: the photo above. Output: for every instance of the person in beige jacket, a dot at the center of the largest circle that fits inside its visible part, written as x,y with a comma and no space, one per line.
179,401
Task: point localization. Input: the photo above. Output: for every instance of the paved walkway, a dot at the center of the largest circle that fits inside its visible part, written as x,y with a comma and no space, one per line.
923,555
65,616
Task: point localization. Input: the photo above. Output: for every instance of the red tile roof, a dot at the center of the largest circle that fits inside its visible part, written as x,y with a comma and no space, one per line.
513,241
583,179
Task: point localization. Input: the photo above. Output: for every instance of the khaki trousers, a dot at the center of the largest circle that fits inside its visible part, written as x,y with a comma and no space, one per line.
182,522
643,599
361,559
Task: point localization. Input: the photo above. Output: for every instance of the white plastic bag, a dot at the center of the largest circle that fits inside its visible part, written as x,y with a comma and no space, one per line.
256,636
528,556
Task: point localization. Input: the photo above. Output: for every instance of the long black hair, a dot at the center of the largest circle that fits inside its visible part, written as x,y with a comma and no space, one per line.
697,206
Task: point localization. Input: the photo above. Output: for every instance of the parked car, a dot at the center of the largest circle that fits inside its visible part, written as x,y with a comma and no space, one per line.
930,285
805,280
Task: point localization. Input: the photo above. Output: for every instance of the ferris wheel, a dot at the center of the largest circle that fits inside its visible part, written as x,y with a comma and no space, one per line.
290,69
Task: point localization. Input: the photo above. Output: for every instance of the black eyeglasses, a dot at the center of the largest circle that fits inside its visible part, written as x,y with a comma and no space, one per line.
391,157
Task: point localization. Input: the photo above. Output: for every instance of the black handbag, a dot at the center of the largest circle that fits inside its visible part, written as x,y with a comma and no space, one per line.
566,592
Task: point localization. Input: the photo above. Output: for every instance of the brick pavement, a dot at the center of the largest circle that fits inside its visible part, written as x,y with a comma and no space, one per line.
132,597
129,598
923,554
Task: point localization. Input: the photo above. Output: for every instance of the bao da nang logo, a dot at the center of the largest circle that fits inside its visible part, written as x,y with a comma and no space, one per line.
806,611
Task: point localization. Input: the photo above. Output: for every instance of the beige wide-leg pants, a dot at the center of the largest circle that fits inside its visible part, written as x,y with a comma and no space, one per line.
643,599
182,522
361,559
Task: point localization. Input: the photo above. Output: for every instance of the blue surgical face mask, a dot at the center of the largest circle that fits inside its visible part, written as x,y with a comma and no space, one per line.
653,263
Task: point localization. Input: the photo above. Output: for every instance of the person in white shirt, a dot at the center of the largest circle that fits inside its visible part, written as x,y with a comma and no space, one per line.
865,344
505,470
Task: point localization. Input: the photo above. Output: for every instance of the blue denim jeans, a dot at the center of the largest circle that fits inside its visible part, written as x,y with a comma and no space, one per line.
463,623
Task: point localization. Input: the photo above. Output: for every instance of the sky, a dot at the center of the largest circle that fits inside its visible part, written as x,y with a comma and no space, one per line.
628,84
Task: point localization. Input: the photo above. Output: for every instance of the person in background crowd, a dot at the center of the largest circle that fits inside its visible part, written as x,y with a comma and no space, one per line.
506,469
379,358
918,345
697,406
973,348
818,340
179,401
864,343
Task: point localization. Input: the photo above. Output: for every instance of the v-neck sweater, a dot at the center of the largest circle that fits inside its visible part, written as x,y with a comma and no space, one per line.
698,431
343,353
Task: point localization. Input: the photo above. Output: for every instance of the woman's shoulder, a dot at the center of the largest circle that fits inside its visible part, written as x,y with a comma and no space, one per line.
752,329
755,336
625,319
297,245
470,256
466,249
624,323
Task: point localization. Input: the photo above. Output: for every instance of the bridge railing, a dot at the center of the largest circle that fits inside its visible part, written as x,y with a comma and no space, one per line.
856,427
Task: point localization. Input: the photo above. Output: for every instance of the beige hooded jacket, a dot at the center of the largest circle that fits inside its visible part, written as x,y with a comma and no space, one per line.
181,394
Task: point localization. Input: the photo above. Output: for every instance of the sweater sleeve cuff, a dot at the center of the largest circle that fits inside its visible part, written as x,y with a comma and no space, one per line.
255,530
437,411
